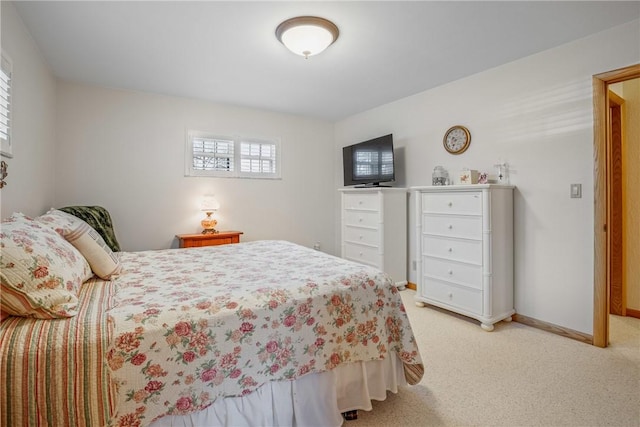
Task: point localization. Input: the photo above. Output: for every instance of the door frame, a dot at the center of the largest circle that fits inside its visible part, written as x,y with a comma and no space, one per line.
617,290
602,199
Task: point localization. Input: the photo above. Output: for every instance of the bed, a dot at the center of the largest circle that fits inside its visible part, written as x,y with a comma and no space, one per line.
257,333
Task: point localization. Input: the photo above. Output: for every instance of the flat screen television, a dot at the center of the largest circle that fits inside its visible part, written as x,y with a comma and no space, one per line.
369,163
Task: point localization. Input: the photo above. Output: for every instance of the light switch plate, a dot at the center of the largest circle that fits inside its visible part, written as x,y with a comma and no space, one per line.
576,191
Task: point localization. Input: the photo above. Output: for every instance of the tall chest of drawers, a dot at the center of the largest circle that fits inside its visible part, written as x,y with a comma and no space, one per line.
464,237
374,229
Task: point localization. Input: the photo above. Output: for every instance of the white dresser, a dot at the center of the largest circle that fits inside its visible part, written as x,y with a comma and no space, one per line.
464,238
374,229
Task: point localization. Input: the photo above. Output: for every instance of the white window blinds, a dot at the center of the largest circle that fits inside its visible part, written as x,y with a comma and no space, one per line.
210,155
5,105
258,158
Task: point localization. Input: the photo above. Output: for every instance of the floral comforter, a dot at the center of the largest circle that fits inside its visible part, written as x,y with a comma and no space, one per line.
193,325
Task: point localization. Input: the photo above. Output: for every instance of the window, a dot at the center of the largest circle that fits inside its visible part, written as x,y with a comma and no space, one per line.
258,157
237,157
5,106
213,154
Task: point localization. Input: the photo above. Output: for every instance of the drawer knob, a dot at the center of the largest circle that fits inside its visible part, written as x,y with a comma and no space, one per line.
359,219
450,227
360,237
359,202
450,249
360,253
450,272
450,204
450,295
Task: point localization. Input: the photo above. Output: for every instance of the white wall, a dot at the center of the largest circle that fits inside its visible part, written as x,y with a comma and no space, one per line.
125,151
30,183
536,114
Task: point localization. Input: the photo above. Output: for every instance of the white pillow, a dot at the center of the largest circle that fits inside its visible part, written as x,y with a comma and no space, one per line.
104,263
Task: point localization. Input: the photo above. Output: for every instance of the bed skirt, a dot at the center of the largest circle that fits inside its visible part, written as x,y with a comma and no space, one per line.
312,400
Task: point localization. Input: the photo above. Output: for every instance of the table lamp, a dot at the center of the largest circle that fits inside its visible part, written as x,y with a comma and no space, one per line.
209,205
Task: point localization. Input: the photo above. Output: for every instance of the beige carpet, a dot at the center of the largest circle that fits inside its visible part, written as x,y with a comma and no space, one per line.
513,376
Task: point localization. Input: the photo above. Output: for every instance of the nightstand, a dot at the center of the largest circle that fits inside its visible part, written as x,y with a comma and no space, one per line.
196,240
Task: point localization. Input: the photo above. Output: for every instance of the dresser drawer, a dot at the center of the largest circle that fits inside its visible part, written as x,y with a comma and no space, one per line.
365,201
464,298
454,249
453,203
362,218
453,226
365,254
367,236
461,273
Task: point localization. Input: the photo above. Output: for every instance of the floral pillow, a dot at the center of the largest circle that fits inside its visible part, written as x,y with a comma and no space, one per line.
103,261
40,272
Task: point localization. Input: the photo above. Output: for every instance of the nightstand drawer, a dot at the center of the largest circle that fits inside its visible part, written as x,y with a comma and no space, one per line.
453,203
367,236
453,226
199,240
361,201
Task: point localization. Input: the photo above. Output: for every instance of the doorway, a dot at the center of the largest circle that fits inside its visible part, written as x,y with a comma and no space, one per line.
607,201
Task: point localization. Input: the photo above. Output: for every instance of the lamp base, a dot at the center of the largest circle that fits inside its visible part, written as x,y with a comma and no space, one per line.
209,224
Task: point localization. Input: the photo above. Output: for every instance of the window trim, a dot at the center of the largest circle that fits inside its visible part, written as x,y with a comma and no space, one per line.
237,156
6,145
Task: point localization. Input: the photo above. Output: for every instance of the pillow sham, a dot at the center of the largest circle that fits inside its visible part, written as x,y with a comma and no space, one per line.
98,218
40,272
103,261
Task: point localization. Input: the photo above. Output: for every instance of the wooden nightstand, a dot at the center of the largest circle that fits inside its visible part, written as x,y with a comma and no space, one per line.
196,240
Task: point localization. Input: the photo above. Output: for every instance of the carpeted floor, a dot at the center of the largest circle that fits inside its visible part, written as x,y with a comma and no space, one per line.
513,376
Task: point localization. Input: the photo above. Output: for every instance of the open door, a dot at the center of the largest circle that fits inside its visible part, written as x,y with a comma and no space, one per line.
603,167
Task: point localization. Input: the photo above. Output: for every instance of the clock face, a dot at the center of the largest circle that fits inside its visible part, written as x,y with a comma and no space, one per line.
457,139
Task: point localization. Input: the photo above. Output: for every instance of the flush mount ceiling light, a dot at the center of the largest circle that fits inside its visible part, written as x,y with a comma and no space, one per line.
307,35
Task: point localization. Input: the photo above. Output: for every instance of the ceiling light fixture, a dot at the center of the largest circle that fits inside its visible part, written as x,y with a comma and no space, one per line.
307,35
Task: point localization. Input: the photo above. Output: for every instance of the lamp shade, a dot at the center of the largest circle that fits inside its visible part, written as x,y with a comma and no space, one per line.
209,204
307,35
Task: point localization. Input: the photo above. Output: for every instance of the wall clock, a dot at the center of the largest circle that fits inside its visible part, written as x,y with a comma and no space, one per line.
457,139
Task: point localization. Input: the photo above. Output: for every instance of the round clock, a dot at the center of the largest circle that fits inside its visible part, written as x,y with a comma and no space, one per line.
457,139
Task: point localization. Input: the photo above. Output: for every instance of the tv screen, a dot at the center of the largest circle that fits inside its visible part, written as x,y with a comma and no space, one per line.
369,163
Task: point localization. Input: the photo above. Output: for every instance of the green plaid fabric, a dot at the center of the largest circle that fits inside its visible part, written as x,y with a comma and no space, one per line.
98,218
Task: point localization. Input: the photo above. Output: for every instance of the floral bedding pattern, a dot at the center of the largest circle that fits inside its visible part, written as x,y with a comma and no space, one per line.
192,325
